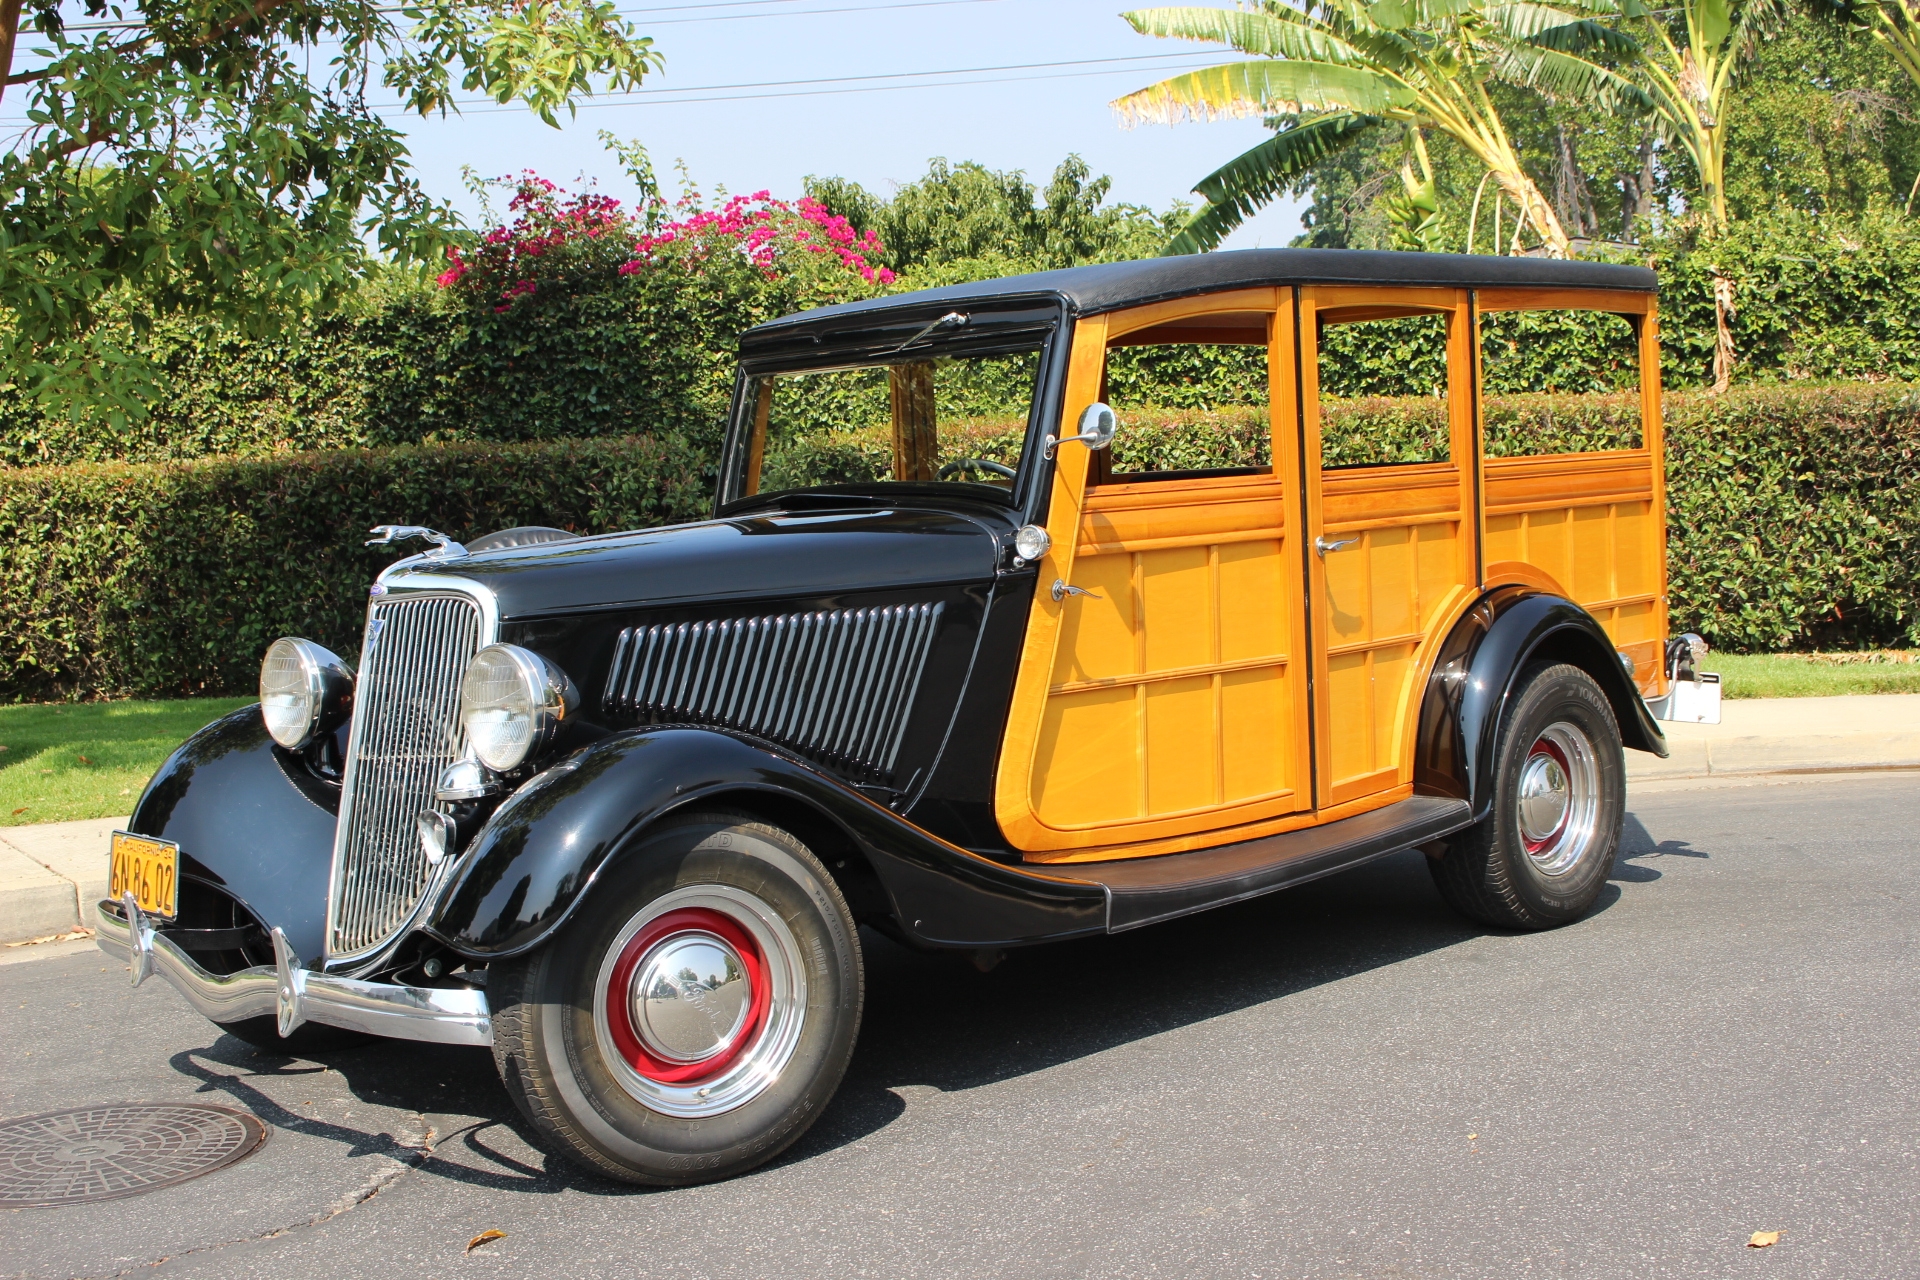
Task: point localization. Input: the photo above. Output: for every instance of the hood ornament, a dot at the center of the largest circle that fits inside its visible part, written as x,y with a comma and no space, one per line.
444,548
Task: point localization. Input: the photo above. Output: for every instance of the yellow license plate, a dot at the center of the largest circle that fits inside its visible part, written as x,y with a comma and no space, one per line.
151,868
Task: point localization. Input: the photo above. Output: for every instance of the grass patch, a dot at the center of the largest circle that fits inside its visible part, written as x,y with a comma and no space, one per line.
1815,675
60,762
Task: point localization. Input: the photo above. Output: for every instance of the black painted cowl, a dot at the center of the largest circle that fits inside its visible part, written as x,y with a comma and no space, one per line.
793,554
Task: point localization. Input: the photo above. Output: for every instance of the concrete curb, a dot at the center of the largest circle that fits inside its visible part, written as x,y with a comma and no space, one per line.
51,874
1791,735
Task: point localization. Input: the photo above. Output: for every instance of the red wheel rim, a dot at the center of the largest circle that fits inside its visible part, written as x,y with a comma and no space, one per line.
619,996
1547,747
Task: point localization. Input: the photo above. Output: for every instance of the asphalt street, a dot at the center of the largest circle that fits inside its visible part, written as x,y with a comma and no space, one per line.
1340,1080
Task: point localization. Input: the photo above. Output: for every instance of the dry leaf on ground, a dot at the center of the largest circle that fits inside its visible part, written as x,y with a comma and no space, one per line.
1763,1239
83,759
489,1234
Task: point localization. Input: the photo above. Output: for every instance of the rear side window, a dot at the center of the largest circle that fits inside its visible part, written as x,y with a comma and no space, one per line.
1559,381
1383,388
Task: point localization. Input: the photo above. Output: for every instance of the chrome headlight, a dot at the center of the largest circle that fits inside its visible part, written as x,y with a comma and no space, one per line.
305,691
511,703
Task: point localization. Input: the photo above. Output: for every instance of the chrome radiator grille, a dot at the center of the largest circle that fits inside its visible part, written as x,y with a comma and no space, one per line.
406,730
835,685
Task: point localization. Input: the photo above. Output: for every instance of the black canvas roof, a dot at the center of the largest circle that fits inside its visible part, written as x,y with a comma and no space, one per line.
1111,286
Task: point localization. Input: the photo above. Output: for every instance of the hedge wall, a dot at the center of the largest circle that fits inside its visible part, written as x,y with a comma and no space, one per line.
598,354
172,579
1794,512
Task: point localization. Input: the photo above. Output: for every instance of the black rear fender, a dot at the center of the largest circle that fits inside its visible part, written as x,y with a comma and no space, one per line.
1476,676
537,859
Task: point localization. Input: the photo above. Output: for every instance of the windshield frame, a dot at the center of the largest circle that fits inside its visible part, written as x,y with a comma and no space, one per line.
993,328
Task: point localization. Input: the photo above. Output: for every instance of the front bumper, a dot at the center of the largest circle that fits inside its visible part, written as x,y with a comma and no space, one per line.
291,992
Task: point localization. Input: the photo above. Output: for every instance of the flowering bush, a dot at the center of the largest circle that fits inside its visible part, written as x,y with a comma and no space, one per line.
554,234
582,239
767,232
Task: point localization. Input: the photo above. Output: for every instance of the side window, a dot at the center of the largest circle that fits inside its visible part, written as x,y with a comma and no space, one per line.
1190,404
1559,382
1383,388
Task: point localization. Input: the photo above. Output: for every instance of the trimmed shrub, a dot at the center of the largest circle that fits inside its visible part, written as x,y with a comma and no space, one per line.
155,580
1794,515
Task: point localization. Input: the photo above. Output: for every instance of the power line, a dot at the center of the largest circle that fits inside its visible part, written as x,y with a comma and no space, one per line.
662,22
808,87
627,101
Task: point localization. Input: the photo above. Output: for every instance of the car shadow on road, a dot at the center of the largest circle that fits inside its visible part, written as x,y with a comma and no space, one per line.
933,1021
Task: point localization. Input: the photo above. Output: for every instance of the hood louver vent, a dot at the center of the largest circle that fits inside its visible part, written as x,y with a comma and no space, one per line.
836,685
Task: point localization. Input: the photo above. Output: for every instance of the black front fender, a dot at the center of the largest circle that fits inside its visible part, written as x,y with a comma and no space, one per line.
1476,676
536,860
249,820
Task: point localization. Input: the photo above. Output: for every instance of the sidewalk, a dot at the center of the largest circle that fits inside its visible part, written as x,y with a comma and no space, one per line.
1791,735
50,875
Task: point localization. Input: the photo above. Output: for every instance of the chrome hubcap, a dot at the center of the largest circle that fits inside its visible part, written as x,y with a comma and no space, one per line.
691,997
1558,800
699,1001
1545,797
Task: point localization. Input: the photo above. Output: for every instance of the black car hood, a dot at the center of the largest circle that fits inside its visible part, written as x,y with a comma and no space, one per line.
776,554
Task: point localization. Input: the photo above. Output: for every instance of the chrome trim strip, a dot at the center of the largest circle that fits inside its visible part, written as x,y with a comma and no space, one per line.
399,582
438,1015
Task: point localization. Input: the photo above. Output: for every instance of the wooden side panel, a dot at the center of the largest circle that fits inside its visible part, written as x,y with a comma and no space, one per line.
1178,671
1587,522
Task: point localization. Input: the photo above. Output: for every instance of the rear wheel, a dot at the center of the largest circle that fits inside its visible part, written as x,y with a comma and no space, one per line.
694,1020
1542,856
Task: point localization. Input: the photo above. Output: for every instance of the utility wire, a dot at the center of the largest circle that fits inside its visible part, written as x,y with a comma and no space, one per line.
642,13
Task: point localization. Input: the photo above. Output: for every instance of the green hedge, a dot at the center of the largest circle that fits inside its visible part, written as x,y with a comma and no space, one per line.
171,579
598,354
1794,512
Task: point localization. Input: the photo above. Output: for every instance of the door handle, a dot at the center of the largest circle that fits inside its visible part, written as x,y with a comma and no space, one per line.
1061,591
1324,545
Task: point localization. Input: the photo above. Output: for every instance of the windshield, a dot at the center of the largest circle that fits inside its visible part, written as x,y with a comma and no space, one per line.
952,419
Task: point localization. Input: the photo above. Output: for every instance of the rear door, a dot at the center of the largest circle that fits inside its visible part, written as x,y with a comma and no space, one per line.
1388,446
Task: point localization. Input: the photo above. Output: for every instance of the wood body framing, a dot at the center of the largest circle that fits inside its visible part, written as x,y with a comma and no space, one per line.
1224,680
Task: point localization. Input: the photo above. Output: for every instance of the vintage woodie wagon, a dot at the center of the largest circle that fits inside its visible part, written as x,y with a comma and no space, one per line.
1029,609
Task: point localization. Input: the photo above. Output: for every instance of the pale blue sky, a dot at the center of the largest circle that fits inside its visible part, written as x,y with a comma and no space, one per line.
1005,119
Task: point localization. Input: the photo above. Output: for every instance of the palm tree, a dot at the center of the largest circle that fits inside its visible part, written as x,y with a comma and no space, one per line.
1349,67
1689,83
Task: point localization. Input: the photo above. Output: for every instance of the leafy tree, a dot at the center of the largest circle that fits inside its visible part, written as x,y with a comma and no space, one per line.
1822,123
224,157
1344,68
1686,64
968,218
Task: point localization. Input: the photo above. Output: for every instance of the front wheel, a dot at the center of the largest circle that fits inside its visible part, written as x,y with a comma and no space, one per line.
693,1020
1542,856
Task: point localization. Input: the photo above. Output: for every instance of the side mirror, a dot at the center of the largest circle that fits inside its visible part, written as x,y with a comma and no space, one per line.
1097,425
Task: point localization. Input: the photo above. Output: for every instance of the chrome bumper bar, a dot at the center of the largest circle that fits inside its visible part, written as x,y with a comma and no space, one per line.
291,992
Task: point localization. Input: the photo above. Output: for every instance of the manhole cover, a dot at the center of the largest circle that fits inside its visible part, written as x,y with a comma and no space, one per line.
101,1153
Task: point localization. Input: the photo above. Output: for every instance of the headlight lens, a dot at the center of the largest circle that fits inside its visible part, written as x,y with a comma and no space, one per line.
511,703
305,691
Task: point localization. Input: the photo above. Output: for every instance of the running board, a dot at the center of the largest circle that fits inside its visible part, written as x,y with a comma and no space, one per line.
1143,891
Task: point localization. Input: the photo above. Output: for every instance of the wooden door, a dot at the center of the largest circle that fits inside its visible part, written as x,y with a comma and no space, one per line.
1167,709
1390,502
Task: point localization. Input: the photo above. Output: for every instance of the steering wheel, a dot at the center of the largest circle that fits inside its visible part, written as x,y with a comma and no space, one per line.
960,466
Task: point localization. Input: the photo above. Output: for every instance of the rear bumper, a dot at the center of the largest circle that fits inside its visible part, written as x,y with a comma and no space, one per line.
293,993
